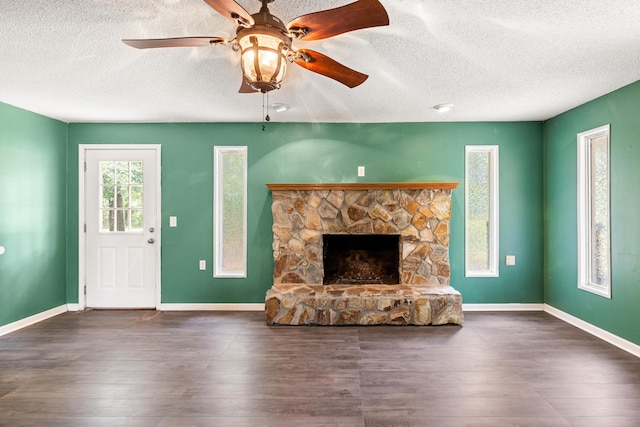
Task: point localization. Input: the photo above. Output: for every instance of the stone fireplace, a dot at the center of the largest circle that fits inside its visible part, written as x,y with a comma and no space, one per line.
392,261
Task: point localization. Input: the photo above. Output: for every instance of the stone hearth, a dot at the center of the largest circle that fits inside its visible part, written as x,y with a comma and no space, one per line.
418,213
295,304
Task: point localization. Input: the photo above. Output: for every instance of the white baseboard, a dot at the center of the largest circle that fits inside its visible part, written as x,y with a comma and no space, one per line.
502,307
28,321
621,343
73,307
211,307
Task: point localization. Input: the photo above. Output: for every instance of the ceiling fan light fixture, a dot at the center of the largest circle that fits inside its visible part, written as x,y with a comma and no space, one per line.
263,51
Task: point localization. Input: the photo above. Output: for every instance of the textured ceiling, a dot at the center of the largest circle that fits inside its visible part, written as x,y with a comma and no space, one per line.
495,60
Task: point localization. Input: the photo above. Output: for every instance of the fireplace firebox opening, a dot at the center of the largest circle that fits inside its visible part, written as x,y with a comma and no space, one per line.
357,259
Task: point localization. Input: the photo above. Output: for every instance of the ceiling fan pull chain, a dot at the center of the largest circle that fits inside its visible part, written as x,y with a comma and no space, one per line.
265,116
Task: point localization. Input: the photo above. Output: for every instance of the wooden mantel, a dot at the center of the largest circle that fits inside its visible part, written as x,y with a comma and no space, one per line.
365,186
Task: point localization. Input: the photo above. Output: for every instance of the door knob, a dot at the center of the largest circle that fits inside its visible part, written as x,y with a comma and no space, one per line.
151,240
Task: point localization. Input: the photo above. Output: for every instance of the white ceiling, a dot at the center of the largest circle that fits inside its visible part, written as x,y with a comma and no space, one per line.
495,60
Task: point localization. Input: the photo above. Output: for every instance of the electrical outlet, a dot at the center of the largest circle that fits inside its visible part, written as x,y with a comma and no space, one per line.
360,170
510,260
173,221
203,264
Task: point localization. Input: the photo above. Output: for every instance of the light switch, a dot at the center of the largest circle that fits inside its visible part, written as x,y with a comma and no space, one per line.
173,221
360,170
1,250
203,264
510,260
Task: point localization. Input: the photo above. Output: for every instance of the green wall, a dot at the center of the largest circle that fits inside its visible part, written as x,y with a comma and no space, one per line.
39,157
304,153
32,213
620,314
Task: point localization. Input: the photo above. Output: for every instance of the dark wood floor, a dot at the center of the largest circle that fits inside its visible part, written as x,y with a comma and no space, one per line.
146,368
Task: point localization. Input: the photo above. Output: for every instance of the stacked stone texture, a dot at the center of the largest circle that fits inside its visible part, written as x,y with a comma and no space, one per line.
295,304
419,217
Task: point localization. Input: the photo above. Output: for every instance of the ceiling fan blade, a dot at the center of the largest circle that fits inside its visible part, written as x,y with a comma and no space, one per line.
331,22
232,10
246,87
322,64
174,42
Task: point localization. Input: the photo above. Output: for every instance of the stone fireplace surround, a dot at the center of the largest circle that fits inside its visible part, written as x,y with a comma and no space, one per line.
418,212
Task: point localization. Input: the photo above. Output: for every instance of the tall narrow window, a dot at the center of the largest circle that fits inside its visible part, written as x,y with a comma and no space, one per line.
230,211
594,237
481,211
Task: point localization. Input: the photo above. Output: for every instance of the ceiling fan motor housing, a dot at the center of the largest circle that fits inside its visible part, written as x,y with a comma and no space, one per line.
264,48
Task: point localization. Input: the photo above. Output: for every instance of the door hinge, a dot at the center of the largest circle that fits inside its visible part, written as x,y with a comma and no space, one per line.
85,290
85,228
85,166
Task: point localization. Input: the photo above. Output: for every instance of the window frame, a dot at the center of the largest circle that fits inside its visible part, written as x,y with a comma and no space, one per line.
584,211
494,214
218,234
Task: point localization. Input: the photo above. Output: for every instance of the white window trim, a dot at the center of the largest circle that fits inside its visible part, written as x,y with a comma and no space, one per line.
584,211
494,199
218,152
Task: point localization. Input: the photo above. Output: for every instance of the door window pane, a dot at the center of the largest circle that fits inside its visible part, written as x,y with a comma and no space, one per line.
121,204
136,196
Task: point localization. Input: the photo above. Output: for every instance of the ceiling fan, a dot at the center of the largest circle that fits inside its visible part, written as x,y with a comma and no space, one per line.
264,41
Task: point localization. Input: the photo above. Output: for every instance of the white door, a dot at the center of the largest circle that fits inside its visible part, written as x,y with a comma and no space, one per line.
122,238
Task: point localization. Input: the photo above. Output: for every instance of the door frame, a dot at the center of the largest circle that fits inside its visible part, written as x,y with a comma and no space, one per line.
82,236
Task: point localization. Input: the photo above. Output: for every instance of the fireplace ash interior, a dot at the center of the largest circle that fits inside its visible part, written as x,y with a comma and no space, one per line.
357,259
